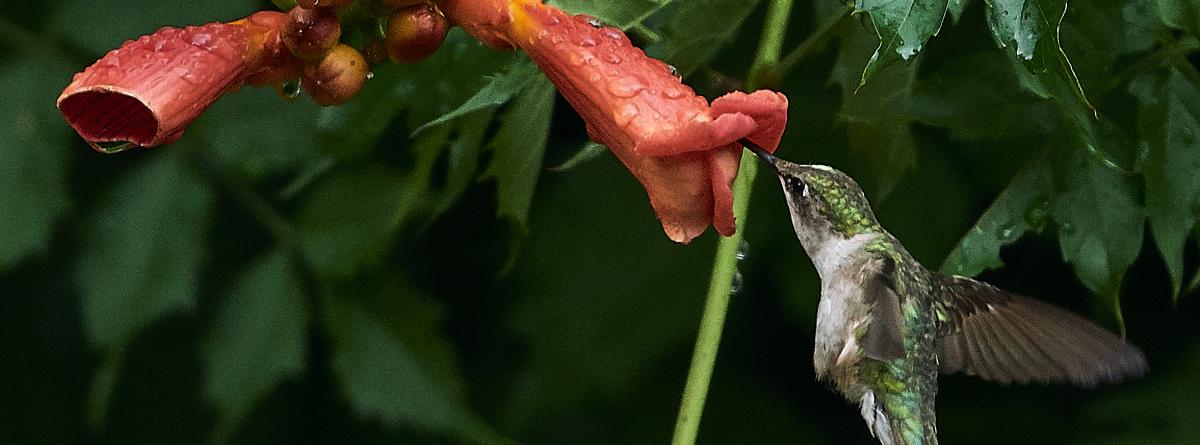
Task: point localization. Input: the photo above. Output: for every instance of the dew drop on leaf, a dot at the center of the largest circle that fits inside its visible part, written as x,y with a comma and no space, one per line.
1037,214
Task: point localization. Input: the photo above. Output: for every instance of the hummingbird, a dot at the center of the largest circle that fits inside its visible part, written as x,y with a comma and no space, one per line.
887,326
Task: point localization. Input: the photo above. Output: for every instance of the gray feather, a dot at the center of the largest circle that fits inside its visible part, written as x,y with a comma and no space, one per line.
1005,337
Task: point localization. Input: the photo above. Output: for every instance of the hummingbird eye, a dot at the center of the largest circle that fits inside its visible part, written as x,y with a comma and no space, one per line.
797,187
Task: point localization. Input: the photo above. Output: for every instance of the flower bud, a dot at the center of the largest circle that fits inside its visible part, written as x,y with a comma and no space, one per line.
310,33
415,32
375,51
324,4
397,4
337,77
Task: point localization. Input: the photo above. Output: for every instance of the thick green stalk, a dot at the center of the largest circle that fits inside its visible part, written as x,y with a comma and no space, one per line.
725,265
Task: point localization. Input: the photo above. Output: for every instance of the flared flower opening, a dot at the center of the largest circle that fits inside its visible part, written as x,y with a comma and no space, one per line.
110,121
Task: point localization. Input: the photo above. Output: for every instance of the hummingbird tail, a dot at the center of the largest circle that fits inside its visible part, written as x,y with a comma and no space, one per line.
893,420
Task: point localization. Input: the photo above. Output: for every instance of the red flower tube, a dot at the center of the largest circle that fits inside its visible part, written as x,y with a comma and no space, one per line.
683,150
146,92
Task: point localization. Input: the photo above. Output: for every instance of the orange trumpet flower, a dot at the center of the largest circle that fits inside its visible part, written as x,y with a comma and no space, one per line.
684,151
149,90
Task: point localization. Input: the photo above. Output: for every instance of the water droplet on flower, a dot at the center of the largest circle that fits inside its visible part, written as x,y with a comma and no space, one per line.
581,58
557,40
595,22
674,71
673,93
587,42
554,21
202,40
627,86
624,115
613,59
114,146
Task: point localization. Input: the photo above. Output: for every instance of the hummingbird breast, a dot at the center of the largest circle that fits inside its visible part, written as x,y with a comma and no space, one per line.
841,309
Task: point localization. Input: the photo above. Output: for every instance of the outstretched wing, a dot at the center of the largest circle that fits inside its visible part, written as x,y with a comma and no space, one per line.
1004,337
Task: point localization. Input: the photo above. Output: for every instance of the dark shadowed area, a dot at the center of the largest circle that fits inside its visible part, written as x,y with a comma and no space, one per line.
287,273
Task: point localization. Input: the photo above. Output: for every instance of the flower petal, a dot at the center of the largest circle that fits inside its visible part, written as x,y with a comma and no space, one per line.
767,108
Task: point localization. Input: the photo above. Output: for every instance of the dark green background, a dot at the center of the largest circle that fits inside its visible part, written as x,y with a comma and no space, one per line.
382,304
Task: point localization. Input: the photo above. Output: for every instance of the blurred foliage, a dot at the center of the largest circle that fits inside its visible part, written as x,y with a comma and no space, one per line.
405,269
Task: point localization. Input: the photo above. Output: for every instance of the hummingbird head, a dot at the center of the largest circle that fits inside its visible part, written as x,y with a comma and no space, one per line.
825,204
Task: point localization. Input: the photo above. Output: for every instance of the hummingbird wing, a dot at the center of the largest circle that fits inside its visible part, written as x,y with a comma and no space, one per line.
1005,337
883,339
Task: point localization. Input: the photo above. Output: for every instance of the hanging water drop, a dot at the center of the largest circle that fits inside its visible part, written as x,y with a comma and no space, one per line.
735,286
743,250
113,147
288,90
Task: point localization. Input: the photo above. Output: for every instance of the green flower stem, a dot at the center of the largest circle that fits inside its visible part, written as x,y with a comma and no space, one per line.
709,338
725,264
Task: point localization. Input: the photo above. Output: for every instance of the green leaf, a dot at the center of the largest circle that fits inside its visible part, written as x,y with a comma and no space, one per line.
623,14
956,8
976,96
590,152
280,139
353,130
903,27
698,29
582,274
256,341
879,114
1019,23
1181,14
101,26
349,220
1021,207
1031,29
1169,121
1161,409
1144,27
519,147
418,93
35,161
498,91
140,256
1100,222
392,361
462,160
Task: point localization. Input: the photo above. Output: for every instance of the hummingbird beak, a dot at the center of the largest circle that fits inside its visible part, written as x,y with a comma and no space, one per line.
762,154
